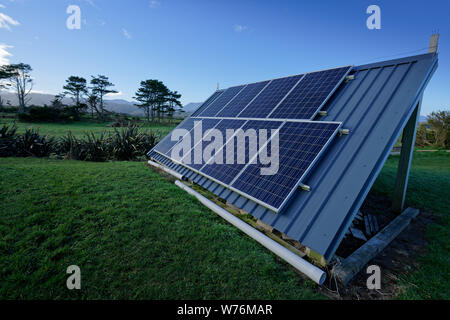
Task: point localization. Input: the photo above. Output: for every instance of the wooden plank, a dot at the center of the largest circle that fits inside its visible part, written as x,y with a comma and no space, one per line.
404,163
348,268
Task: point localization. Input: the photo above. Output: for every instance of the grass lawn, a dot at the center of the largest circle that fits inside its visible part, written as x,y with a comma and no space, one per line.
136,235
78,128
133,234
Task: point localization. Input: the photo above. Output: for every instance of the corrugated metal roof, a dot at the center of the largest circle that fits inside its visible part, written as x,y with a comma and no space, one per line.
375,107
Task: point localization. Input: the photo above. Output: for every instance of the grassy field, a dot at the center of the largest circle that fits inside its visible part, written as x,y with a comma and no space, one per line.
136,235
78,128
133,234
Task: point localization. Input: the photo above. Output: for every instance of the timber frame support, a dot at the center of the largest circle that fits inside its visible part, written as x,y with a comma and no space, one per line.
404,164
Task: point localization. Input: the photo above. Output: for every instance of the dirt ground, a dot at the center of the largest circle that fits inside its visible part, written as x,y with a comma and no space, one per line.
396,259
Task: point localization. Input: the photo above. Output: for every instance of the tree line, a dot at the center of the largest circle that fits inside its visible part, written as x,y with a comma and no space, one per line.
436,131
152,96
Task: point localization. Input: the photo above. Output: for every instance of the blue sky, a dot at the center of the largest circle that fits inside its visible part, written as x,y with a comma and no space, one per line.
192,45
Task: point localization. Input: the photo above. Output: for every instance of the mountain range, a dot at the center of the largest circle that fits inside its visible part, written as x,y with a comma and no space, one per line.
116,105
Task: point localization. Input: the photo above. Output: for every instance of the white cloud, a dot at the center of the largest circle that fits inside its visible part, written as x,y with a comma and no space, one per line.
114,94
240,28
154,4
126,34
2,6
4,54
6,20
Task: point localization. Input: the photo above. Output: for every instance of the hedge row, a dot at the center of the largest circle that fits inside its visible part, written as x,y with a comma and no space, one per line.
128,143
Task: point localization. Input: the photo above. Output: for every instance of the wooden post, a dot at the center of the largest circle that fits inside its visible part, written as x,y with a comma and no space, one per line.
404,163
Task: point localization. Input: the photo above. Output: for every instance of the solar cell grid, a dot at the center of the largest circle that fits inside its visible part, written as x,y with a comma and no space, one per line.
211,99
300,143
199,147
226,172
166,144
269,97
242,99
198,125
305,100
220,102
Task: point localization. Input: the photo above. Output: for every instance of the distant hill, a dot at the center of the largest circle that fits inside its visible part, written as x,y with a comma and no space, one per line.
192,106
116,105
123,106
39,99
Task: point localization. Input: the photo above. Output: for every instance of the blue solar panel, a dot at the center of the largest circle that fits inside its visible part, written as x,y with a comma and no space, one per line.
240,169
269,97
205,104
166,144
199,147
220,102
195,125
300,144
305,100
242,99
231,165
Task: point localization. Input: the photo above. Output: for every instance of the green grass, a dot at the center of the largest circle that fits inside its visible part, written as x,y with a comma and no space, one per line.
78,128
133,234
136,235
428,188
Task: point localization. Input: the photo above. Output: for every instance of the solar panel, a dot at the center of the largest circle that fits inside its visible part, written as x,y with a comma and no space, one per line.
242,99
199,147
269,97
220,102
208,101
300,144
306,99
166,144
230,168
287,105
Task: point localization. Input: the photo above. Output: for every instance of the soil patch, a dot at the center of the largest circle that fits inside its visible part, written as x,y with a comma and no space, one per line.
399,257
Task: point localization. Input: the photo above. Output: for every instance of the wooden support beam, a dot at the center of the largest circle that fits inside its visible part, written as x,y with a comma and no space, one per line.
347,269
404,163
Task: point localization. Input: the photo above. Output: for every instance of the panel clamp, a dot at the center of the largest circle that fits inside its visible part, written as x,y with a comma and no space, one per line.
344,131
349,78
304,187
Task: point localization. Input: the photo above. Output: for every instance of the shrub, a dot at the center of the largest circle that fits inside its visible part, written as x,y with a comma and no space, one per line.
95,148
130,144
89,148
440,123
149,140
424,136
126,144
45,113
69,147
9,109
8,141
31,144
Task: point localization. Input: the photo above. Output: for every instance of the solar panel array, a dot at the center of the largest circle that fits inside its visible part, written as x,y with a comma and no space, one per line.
284,108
